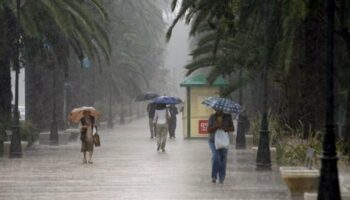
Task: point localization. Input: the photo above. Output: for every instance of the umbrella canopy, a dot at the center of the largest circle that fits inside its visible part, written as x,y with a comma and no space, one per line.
167,100
147,96
77,113
223,104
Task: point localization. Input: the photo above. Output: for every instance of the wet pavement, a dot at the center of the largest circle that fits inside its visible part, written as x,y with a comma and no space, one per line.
127,166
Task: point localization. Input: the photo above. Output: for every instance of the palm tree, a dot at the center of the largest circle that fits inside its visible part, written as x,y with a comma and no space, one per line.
137,42
61,25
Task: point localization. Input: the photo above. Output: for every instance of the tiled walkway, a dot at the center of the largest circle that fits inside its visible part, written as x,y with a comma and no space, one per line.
127,166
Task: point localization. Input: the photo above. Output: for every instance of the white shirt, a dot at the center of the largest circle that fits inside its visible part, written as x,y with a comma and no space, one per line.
160,117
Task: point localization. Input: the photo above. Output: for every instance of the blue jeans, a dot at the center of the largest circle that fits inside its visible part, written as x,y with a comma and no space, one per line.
219,159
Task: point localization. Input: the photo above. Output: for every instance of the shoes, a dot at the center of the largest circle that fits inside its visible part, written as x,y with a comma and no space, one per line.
158,148
90,162
213,180
221,181
84,161
163,150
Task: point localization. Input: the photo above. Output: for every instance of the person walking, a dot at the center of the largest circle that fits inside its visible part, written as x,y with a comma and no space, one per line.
218,120
172,120
151,109
161,117
87,124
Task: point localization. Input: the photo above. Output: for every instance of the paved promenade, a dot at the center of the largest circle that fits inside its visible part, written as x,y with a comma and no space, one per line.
127,166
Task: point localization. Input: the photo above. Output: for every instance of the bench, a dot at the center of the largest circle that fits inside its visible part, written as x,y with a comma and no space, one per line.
301,179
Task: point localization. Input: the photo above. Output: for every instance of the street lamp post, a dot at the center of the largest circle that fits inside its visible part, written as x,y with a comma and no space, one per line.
329,183
263,159
110,107
15,148
54,128
66,102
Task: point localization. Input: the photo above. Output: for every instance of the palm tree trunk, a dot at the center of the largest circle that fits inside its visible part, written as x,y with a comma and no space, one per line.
5,76
5,98
345,131
5,89
345,34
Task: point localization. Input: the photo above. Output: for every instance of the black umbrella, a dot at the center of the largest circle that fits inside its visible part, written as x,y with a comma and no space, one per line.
147,96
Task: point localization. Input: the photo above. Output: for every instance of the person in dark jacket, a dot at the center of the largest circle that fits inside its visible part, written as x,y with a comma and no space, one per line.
218,120
172,120
151,109
87,124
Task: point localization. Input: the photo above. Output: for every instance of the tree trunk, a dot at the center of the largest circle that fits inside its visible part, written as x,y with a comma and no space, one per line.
345,34
5,89
306,103
5,75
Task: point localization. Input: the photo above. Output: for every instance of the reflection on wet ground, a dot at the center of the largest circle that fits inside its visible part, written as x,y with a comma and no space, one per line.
127,166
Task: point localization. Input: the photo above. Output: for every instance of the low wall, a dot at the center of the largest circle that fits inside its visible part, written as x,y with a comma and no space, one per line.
7,145
74,134
63,138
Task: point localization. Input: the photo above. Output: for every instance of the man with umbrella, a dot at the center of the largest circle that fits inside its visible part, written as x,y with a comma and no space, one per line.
172,120
151,108
220,120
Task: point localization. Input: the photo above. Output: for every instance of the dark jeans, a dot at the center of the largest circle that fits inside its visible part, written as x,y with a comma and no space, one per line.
172,127
219,159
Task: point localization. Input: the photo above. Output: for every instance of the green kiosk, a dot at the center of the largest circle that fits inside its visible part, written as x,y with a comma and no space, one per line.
195,116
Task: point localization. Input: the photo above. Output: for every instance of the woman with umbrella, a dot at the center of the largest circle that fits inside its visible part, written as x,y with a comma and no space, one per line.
220,120
161,119
86,117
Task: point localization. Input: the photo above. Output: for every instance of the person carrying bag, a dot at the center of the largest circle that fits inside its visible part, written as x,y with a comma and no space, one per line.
219,124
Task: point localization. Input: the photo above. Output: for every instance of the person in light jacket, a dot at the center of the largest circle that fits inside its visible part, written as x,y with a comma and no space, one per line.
160,120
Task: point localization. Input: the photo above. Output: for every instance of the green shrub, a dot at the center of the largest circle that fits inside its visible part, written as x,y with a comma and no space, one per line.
274,128
290,146
29,132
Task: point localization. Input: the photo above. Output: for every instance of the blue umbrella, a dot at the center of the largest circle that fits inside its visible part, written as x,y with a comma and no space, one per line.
167,100
223,104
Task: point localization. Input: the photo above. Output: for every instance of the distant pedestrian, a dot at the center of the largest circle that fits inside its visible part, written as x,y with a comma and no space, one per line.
161,117
218,120
87,124
172,120
151,109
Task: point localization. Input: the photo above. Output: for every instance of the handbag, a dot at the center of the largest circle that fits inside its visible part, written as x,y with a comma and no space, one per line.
96,139
222,139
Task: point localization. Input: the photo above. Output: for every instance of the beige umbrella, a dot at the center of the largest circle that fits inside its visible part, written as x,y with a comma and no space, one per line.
77,113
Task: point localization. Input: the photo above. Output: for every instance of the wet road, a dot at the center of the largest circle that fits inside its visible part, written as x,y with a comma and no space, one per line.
127,166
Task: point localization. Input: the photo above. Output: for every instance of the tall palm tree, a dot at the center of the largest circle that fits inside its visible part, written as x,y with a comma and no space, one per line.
64,25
